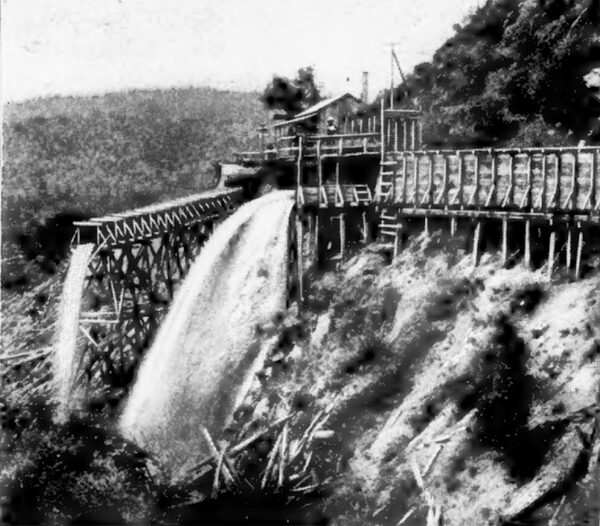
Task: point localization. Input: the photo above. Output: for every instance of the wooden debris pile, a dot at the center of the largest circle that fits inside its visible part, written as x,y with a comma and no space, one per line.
287,465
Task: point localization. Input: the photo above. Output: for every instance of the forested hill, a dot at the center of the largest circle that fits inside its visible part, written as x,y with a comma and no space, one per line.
93,155
514,73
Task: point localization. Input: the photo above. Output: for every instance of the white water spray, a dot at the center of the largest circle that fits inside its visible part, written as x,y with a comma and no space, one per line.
66,358
209,344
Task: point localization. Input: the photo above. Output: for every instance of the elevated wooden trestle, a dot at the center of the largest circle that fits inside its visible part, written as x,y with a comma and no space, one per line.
555,190
139,257
373,180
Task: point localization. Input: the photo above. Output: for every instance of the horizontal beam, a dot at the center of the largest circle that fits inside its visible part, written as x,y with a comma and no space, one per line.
500,214
151,221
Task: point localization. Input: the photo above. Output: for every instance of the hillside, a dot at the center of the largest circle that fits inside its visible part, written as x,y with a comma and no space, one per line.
514,72
68,158
93,155
433,390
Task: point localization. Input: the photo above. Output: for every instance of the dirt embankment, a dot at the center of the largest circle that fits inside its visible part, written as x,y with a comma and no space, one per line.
465,394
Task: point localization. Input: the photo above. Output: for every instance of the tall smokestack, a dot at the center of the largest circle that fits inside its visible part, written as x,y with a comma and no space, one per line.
364,96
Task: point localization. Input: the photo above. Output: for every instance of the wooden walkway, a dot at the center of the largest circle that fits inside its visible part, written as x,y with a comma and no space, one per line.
151,221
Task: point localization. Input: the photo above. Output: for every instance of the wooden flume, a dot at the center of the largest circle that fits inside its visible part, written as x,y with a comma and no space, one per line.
375,178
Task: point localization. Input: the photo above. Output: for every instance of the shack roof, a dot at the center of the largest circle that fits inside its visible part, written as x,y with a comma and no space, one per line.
316,108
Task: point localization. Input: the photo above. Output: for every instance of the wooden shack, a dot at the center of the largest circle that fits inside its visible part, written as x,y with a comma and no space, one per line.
316,119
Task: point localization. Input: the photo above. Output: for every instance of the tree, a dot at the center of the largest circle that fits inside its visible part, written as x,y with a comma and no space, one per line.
513,69
292,96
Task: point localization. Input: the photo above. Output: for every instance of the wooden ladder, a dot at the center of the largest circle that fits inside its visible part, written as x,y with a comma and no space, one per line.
387,175
389,231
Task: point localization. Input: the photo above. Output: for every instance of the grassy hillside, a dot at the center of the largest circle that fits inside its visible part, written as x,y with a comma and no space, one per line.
74,157
92,155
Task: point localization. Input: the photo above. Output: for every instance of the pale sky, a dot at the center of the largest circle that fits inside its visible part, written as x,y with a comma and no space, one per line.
52,47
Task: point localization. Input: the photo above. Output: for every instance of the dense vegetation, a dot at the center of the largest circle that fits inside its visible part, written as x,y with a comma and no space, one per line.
513,73
93,155
68,158
291,97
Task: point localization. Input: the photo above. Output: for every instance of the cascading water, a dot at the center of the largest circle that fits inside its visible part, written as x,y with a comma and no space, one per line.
66,360
213,338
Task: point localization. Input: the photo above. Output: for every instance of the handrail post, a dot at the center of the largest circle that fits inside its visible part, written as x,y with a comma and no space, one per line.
299,172
575,181
319,167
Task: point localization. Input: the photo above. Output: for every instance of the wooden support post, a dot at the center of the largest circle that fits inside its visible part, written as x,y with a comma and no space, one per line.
527,257
391,79
574,182
430,183
551,250
404,134
299,173
396,133
452,226
382,138
397,240
420,142
593,183
426,225
579,252
569,247
342,236
337,172
388,129
415,179
476,240
365,228
299,258
404,178
504,248
319,169
316,245
544,183
529,181
310,230
413,132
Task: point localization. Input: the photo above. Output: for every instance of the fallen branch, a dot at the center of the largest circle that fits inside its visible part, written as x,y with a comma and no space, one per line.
237,449
271,461
406,516
432,460
227,475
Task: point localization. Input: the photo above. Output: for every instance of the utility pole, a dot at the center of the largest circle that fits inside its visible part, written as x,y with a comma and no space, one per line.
394,61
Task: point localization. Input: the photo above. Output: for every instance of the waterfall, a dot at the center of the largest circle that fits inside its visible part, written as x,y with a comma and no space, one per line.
213,338
66,360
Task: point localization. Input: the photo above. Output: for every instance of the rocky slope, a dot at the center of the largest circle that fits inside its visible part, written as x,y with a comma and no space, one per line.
468,394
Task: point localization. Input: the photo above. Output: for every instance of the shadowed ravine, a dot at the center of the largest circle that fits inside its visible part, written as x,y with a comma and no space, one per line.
208,347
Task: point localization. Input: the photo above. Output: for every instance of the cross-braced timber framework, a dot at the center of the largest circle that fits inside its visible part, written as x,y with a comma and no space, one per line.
139,258
557,188
141,255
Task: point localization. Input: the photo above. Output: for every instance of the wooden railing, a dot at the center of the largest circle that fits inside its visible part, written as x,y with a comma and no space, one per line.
335,195
534,179
359,135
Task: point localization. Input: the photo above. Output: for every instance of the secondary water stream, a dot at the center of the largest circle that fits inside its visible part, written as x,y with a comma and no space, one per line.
66,358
